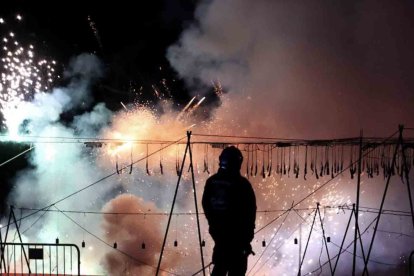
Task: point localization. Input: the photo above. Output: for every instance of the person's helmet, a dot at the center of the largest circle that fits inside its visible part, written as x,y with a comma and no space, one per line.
231,159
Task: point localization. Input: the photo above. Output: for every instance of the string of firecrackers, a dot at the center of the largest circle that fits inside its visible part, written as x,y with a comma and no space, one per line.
295,160
268,157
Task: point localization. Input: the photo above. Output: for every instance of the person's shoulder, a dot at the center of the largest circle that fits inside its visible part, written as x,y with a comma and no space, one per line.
211,178
245,181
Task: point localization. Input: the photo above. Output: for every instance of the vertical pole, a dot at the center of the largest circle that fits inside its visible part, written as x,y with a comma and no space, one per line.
43,261
2,248
382,203
406,173
195,199
79,261
35,261
300,246
307,243
357,203
324,238
14,255
20,237
172,209
6,259
50,260
343,239
64,260
362,246
71,260
5,238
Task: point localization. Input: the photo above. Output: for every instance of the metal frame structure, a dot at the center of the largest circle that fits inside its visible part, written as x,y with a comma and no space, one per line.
9,265
365,145
189,151
37,252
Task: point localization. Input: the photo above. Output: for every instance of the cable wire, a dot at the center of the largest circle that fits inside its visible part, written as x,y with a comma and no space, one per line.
270,242
304,220
320,187
94,183
343,250
358,256
16,156
104,242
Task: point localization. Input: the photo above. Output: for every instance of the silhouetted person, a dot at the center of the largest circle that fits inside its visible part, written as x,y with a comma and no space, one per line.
230,207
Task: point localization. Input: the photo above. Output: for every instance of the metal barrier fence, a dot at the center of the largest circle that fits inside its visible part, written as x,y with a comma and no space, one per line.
39,258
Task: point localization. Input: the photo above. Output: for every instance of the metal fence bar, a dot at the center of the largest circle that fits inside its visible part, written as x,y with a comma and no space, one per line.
35,261
57,260
38,258
21,258
43,260
14,253
71,269
64,261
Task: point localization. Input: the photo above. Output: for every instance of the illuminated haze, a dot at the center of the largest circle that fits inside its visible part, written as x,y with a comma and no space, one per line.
308,70
304,69
297,69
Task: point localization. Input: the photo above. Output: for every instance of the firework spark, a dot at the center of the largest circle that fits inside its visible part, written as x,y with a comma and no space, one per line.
94,29
124,106
180,115
218,89
199,102
23,73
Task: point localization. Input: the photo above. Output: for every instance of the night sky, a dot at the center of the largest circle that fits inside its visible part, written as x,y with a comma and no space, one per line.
133,38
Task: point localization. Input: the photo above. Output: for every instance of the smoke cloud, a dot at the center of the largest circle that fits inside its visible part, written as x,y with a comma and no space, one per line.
291,69
303,69
297,69
59,169
130,232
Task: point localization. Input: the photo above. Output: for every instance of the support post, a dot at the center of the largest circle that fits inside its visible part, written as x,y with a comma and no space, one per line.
362,247
2,248
187,150
343,239
357,203
406,174
172,210
394,157
20,237
195,200
300,248
324,238
307,243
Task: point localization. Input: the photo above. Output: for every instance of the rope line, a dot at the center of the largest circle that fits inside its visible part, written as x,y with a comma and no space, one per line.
339,207
92,184
104,242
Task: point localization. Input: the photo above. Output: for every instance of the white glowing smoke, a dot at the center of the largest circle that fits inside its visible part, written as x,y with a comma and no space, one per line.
59,169
23,73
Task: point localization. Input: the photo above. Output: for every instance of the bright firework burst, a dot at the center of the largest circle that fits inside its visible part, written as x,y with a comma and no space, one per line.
23,73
